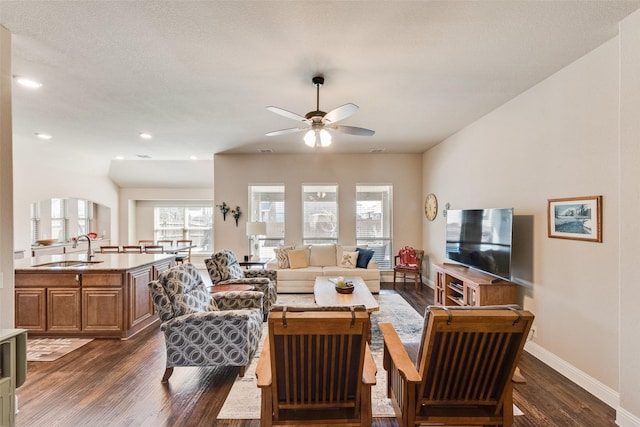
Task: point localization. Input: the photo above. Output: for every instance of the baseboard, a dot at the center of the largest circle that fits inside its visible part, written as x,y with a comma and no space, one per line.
590,384
626,419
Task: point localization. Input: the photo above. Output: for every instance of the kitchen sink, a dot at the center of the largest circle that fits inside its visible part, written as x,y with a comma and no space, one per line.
67,263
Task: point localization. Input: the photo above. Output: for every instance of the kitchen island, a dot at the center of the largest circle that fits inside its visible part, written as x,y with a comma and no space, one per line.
66,296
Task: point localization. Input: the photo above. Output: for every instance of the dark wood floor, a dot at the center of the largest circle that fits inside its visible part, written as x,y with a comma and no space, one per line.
117,383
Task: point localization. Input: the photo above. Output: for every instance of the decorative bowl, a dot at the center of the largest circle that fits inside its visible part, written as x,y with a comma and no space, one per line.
346,289
46,242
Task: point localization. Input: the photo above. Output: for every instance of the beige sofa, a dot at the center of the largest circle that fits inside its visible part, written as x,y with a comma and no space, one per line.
321,260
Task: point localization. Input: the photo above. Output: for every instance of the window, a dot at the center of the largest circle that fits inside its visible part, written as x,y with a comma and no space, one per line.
373,221
59,219
320,214
266,204
185,222
85,215
35,222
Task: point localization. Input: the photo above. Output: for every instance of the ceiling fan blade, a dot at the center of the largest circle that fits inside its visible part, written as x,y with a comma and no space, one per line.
340,113
285,131
287,114
352,130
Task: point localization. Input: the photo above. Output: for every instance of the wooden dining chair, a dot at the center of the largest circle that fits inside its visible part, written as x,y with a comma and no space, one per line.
109,249
132,248
316,367
413,269
153,249
184,255
165,242
461,373
145,242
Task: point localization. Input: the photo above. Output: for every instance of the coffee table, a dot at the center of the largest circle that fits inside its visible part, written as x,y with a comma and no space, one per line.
231,287
325,294
324,291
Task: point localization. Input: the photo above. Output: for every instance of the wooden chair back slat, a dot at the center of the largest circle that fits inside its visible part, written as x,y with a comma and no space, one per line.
317,359
468,359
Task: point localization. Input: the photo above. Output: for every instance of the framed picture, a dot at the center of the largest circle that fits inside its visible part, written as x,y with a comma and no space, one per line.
577,218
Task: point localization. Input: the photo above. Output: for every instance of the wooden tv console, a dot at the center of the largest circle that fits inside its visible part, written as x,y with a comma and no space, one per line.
459,285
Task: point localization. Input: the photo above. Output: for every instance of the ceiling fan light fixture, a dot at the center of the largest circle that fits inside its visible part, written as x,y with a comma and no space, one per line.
310,138
325,138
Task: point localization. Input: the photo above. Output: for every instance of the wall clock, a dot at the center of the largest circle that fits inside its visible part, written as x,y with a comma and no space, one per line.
431,207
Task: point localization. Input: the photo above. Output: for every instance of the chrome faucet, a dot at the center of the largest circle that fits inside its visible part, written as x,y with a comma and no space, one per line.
89,252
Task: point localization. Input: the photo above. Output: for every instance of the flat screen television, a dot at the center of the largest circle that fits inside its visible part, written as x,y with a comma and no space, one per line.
481,239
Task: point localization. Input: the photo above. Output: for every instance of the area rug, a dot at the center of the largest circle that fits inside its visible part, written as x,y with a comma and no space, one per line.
243,401
50,349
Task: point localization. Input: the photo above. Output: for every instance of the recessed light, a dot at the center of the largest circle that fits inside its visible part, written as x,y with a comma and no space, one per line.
32,84
119,158
376,150
145,135
43,135
193,158
143,156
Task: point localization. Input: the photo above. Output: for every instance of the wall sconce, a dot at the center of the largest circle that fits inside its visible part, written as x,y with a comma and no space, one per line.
446,208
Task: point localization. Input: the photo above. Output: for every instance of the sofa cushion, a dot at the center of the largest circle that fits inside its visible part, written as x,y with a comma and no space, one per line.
349,259
282,257
322,255
298,258
308,274
364,257
365,273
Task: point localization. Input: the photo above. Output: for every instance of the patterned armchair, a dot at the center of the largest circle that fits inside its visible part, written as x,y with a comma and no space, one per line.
224,269
204,329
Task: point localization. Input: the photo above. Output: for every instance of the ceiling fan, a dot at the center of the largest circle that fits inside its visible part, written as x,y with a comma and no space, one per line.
319,123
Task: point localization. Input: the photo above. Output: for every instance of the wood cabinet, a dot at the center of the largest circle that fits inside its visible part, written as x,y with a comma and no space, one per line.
105,304
459,285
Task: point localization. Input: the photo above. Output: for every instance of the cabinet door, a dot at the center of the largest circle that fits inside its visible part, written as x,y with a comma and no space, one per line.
101,309
31,309
6,402
63,310
140,302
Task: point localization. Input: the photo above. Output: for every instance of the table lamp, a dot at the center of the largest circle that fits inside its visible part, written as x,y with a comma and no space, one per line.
255,229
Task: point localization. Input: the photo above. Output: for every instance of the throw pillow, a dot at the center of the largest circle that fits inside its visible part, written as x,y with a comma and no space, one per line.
364,256
349,259
322,255
298,258
282,257
341,249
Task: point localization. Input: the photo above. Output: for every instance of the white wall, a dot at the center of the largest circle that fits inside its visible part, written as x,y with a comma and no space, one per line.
234,173
558,139
40,177
629,411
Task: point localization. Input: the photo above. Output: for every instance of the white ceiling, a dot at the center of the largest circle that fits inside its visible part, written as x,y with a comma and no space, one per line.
198,75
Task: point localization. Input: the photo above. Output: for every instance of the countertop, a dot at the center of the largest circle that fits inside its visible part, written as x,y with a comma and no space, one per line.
5,334
110,262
